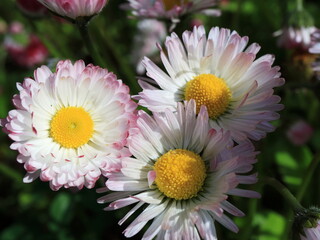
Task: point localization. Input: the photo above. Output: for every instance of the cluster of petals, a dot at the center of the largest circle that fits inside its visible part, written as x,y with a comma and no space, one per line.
149,32
180,219
74,8
225,55
91,88
170,9
296,38
311,233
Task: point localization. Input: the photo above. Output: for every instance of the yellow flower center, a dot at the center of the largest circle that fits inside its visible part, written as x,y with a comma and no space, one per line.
211,91
180,174
71,127
169,4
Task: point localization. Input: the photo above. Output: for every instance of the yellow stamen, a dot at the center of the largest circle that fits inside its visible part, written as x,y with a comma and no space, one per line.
180,174
71,127
211,91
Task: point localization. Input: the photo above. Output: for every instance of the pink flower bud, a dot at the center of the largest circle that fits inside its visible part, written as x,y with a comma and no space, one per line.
300,132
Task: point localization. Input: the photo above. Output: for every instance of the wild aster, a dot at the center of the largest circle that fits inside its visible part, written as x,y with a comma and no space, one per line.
220,73
73,9
70,126
181,176
170,9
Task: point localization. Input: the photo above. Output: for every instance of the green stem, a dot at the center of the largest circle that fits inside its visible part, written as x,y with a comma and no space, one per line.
10,173
299,5
83,28
308,176
286,194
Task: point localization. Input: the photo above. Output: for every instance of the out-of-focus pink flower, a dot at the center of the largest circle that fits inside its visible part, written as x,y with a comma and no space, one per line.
299,133
74,8
196,22
34,53
16,28
32,7
150,32
315,46
295,38
171,9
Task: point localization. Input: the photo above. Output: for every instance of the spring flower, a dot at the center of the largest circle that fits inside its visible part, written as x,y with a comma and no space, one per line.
300,132
28,55
70,126
73,9
182,175
171,9
220,73
32,7
149,32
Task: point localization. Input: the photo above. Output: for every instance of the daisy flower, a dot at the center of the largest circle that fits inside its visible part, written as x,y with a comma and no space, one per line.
70,126
181,176
298,38
219,72
73,9
171,9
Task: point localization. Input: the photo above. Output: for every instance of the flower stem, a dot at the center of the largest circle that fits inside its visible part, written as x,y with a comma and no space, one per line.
83,29
299,5
286,194
10,173
308,176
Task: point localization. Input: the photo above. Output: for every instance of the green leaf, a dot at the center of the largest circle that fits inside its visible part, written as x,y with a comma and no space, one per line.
61,209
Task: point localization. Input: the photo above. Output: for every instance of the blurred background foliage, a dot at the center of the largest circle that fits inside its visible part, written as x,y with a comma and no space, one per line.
33,211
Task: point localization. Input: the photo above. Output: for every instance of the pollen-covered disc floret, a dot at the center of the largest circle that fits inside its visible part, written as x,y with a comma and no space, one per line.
221,72
181,172
70,126
211,91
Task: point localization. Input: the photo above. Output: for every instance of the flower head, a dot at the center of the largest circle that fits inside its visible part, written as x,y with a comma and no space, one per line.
220,73
182,174
70,126
297,38
171,9
74,8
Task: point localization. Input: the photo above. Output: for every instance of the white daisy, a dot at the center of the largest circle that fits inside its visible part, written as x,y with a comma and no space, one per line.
182,174
221,73
70,126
